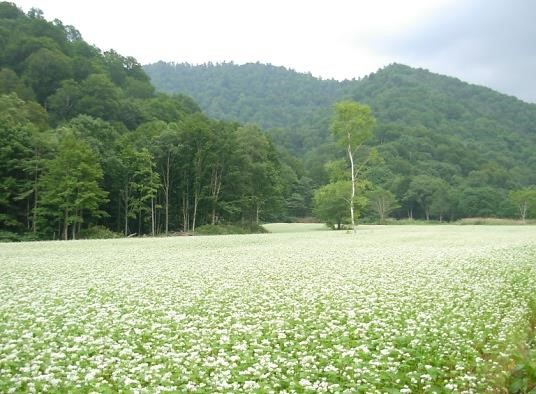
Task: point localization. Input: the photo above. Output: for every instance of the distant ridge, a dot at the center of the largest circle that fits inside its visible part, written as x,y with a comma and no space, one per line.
481,143
275,96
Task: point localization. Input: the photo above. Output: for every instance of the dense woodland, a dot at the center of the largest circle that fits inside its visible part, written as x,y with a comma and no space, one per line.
90,148
447,149
87,146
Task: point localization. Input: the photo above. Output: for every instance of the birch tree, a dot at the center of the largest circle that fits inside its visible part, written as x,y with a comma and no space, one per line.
352,126
525,201
166,147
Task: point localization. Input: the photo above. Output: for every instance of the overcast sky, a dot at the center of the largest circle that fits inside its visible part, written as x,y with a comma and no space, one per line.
487,42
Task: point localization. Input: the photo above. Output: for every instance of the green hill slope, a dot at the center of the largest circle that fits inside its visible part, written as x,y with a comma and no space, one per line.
476,143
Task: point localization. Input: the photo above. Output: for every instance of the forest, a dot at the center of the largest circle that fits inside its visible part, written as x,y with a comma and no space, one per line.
447,149
89,146
90,149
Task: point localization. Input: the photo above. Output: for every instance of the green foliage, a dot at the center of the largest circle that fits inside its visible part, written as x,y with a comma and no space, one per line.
525,201
11,83
523,376
16,130
269,96
331,203
225,229
109,151
44,70
146,162
478,142
8,236
71,191
98,232
426,192
382,202
352,124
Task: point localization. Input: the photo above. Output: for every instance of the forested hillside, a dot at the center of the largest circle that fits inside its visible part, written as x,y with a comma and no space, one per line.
449,149
271,97
88,146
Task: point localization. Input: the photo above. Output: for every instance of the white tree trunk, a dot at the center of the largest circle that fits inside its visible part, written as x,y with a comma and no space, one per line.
350,156
196,201
166,191
126,197
152,217
523,210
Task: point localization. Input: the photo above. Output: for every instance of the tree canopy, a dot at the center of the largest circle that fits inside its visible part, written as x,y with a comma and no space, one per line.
88,143
152,162
478,142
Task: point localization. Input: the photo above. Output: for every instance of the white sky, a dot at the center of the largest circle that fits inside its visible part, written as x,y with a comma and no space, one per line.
329,38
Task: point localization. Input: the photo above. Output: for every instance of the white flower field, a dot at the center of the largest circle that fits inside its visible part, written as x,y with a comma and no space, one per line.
406,309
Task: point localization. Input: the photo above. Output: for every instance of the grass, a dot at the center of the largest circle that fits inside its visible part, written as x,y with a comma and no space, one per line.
400,308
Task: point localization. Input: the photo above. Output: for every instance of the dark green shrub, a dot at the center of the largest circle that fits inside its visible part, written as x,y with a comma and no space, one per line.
98,232
223,229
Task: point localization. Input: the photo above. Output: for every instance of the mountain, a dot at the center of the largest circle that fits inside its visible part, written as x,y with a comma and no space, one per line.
269,96
480,143
264,94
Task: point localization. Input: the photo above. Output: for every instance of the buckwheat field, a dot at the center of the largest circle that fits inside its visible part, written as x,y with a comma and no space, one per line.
406,309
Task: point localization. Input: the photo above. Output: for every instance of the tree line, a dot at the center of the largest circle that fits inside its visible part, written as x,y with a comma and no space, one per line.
445,149
160,177
88,146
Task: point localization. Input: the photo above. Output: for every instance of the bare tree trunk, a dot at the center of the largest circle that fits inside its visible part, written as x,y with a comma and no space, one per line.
152,216
523,211
36,179
73,230
350,156
380,208
197,185
126,197
215,183
185,212
34,219
166,191
66,225
196,200
214,217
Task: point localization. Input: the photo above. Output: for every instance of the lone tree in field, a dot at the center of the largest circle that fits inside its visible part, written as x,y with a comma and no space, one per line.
352,126
525,200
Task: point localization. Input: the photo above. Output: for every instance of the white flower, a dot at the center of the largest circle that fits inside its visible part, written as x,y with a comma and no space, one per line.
250,385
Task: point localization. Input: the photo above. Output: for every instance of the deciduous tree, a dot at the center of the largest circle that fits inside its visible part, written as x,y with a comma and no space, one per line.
383,202
71,192
352,126
525,200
